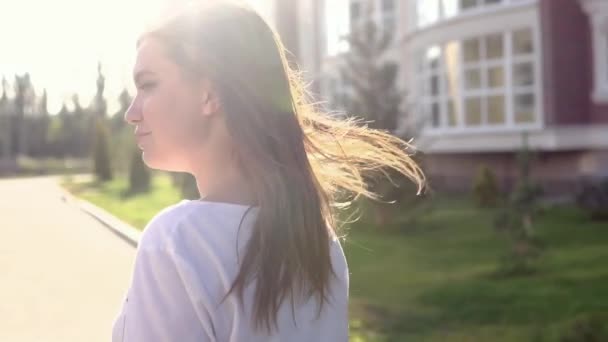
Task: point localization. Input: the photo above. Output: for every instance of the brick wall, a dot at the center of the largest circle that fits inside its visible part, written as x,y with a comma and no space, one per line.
567,62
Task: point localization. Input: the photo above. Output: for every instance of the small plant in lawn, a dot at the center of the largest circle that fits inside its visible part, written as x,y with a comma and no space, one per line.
515,221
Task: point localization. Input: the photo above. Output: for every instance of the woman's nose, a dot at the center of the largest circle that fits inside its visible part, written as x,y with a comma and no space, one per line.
133,113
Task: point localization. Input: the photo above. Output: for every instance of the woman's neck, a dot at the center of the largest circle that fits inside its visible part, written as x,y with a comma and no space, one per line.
228,186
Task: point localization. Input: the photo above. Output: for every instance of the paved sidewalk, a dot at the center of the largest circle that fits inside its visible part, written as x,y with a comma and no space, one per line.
62,273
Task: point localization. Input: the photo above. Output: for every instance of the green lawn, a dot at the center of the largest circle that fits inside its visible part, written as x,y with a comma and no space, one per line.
436,282
136,210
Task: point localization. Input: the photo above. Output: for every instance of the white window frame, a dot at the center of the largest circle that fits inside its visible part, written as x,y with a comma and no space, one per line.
483,92
384,16
597,10
508,90
350,15
600,38
480,8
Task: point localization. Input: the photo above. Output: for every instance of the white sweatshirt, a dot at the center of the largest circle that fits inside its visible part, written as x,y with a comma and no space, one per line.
185,264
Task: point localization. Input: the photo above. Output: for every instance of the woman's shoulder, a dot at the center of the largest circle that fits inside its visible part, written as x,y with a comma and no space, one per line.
156,231
190,219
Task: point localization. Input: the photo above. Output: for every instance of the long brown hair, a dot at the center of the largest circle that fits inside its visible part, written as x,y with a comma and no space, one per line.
299,160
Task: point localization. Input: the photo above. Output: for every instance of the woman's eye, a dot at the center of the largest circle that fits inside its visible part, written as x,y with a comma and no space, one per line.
146,86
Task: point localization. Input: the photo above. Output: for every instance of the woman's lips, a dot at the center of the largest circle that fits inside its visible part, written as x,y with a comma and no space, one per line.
140,137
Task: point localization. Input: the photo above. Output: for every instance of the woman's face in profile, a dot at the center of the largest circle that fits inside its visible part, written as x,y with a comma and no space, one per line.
168,111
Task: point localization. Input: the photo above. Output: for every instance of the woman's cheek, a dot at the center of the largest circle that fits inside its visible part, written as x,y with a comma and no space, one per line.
148,108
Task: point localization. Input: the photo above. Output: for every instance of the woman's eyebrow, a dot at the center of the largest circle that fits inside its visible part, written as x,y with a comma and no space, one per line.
139,74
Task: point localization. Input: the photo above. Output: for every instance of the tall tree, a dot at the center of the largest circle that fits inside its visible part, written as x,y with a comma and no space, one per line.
5,121
122,137
101,154
24,95
100,102
38,124
374,96
82,129
139,174
117,120
5,86
43,104
57,134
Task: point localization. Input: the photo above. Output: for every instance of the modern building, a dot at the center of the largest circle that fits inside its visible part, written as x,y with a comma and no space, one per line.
301,25
316,48
482,72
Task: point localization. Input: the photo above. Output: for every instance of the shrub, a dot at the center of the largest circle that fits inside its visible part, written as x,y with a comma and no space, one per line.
593,198
589,328
485,188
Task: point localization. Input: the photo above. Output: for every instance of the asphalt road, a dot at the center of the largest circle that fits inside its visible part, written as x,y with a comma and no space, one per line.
62,274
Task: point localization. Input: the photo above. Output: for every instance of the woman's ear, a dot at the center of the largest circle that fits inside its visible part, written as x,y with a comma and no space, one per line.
210,103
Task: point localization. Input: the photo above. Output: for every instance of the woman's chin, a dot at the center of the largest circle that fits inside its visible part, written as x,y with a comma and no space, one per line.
153,162
150,161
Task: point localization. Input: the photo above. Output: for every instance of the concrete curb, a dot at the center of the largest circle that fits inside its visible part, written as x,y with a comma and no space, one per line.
122,229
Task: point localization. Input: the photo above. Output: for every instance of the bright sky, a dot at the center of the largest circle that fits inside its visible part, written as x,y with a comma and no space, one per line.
337,23
59,42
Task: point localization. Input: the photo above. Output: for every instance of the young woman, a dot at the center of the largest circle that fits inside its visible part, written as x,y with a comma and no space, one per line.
257,257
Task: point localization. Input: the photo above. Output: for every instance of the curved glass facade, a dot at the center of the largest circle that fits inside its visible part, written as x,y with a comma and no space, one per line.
429,12
479,82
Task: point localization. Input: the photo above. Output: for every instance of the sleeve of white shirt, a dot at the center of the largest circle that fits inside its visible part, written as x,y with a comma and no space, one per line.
159,307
